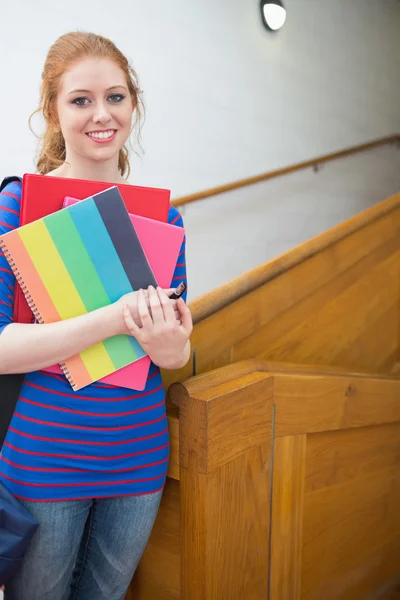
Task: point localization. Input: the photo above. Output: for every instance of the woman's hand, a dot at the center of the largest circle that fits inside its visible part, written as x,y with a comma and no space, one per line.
162,336
131,300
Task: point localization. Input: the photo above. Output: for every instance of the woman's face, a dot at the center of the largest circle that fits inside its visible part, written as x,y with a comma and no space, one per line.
94,109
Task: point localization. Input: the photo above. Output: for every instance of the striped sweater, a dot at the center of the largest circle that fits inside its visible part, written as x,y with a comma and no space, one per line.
99,442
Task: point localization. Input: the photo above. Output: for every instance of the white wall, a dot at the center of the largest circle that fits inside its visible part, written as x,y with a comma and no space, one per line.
226,99
234,232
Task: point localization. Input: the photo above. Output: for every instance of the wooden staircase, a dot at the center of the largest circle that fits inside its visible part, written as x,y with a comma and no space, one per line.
285,447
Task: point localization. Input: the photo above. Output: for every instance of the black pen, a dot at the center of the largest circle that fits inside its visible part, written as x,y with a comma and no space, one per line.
178,291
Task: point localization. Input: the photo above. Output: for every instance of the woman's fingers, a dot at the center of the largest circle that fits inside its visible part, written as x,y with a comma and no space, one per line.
155,307
167,307
186,316
143,312
152,307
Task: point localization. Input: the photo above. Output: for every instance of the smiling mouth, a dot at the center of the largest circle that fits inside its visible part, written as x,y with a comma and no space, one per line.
102,135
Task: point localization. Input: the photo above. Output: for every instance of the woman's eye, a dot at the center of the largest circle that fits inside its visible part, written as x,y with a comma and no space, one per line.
116,97
80,101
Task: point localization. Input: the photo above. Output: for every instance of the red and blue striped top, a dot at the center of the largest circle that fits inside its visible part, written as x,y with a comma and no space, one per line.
99,442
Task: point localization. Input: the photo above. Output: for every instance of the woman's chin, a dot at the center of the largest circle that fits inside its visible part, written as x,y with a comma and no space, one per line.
100,154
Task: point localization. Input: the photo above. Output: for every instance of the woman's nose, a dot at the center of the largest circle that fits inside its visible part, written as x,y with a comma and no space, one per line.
101,114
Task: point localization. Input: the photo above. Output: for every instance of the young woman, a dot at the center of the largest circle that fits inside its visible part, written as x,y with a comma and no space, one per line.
89,465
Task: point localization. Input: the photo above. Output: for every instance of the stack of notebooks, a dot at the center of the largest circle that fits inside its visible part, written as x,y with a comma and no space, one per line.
86,255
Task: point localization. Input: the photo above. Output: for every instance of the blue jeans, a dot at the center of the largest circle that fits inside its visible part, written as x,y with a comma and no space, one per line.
84,549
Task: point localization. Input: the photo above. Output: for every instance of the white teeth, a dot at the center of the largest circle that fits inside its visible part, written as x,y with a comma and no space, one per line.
102,135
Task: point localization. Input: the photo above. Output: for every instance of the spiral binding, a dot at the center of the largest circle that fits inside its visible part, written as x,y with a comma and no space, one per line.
67,373
32,305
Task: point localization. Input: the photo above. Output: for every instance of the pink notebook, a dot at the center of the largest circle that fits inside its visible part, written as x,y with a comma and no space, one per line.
161,243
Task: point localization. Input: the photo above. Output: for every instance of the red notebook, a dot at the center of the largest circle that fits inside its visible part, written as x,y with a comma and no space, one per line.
42,195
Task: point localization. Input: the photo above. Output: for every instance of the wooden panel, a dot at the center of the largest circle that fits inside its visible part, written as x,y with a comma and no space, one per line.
393,593
291,287
279,306
225,528
351,533
225,434
367,580
173,467
318,329
158,574
338,457
223,422
276,338
308,404
347,474
287,517
220,297
351,280
323,334
380,333
284,292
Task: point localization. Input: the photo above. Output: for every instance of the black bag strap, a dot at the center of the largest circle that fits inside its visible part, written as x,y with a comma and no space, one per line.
10,385
7,180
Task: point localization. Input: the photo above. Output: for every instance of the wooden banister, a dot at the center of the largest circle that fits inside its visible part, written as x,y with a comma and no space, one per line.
283,478
322,445
218,382
231,372
225,294
284,171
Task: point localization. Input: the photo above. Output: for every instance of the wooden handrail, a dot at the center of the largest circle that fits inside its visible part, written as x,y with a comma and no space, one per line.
229,373
217,382
227,293
284,171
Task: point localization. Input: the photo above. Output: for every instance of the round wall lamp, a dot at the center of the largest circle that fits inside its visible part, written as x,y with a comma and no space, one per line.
273,14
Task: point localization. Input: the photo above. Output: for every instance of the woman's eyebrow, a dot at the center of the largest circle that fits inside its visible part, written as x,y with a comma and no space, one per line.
113,87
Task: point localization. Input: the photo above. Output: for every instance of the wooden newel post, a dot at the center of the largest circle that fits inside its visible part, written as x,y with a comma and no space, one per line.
225,469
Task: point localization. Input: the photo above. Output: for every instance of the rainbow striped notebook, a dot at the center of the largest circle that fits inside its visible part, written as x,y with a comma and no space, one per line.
74,261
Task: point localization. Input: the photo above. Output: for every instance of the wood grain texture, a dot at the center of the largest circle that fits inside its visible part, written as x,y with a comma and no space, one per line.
231,372
221,423
173,466
225,451
342,320
225,528
284,171
226,379
287,517
340,457
327,309
224,295
379,334
158,573
308,404
392,593
335,523
351,532
367,288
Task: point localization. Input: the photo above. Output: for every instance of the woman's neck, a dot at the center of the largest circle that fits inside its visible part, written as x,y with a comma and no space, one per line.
93,171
